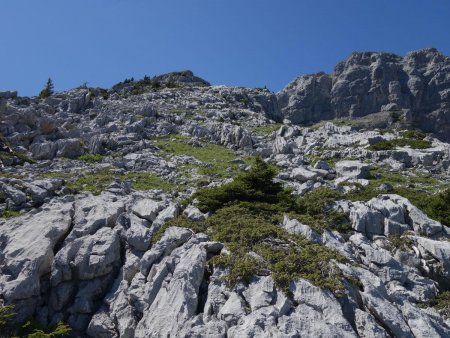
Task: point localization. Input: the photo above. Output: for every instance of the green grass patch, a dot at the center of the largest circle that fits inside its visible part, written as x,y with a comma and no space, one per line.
90,158
99,180
219,161
9,214
147,181
410,138
94,182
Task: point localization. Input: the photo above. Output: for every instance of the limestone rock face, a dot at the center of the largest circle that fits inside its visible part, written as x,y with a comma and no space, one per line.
28,245
416,85
352,169
307,99
182,78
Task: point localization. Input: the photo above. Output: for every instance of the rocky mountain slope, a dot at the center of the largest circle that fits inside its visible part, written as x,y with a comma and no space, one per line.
144,210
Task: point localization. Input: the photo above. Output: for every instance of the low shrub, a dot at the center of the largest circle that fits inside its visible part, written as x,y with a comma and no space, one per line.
91,157
29,329
400,142
414,134
315,209
247,216
395,115
9,214
441,303
400,242
436,206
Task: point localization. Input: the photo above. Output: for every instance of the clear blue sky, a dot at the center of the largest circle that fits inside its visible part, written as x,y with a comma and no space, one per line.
234,42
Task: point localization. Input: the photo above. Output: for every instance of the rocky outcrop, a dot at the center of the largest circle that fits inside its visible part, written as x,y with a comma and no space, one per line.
414,88
28,250
181,78
307,99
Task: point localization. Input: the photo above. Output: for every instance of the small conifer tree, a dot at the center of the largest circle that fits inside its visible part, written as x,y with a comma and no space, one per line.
48,90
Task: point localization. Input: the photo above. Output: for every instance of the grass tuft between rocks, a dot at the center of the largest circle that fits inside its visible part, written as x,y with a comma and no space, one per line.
90,157
99,180
267,129
9,214
219,161
410,138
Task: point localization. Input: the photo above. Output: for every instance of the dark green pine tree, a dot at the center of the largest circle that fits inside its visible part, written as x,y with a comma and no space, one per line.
48,90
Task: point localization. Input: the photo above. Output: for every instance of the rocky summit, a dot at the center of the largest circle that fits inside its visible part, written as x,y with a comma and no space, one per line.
168,207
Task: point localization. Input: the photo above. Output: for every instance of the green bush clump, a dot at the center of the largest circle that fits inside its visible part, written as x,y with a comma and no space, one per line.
409,138
99,180
256,185
400,142
99,92
421,193
247,216
256,190
436,206
244,229
315,209
414,134
29,329
90,157
305,260
395,115
242,267
400,242
19,158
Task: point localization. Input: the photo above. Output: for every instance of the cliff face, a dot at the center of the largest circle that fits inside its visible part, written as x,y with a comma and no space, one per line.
416,86
99,227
